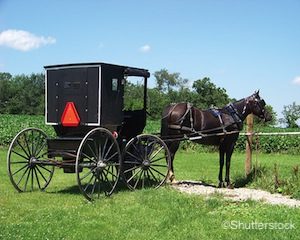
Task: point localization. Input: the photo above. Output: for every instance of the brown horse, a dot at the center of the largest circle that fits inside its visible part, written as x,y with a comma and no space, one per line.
218,127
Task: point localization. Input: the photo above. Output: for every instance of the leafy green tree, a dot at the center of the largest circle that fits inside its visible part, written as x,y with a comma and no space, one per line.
23,95
291,113
209,94
133,96
5,91
166,81
270,110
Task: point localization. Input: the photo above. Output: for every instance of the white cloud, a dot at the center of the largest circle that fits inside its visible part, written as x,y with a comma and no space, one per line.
296,80
146,48
23,40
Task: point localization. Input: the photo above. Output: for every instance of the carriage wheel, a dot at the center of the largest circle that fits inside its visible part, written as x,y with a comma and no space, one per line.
98,164
146,162
26,158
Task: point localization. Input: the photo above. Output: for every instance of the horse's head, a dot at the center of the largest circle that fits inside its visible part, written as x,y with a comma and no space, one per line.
257,106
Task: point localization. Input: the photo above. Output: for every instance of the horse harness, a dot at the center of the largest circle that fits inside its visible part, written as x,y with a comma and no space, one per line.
230,108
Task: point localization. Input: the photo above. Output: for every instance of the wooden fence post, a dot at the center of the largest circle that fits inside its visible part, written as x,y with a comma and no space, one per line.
248,161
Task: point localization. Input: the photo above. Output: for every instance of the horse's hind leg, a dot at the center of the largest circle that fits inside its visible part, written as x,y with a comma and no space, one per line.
228,160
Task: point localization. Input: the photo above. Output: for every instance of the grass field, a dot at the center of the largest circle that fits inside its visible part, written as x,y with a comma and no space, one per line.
62,213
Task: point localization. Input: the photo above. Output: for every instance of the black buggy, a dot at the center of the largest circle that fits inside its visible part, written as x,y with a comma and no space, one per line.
96,139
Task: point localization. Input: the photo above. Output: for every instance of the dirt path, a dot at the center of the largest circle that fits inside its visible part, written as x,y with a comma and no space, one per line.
237,194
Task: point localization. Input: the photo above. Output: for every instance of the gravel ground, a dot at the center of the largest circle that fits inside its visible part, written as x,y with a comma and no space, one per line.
237,194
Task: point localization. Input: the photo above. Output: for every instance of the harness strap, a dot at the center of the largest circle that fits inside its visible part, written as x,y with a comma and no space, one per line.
237,118
217,113
189,109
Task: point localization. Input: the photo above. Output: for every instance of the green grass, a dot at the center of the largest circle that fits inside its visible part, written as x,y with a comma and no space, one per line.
62,213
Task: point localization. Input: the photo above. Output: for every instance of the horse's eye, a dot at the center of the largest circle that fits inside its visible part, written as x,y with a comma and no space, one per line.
262,102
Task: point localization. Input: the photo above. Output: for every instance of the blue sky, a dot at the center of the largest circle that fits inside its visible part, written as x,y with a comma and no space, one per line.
241,45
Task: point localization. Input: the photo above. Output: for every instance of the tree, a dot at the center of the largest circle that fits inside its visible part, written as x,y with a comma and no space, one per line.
260,121
22,94
209,94
291,113
166,81
5,91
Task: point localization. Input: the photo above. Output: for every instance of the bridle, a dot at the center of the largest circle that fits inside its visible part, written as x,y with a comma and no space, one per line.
260,103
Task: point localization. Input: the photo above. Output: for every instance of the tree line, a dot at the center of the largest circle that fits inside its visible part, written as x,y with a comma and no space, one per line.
24,94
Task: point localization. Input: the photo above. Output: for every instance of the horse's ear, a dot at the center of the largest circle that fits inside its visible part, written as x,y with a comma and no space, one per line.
256,93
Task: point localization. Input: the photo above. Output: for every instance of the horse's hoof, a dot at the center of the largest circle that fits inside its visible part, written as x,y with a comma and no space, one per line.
230,186
174,181
221,185
171,179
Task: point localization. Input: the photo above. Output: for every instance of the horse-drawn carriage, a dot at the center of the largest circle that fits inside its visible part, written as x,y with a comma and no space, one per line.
102,143
96,139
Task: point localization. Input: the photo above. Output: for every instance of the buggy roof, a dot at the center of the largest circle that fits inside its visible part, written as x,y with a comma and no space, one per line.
129,71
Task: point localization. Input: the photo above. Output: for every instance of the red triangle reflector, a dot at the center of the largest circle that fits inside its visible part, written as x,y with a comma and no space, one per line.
70,117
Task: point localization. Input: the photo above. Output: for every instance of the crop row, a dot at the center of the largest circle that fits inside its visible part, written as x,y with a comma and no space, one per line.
10,125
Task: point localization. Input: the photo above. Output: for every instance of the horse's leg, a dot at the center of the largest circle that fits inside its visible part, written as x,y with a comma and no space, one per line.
173,147
229,152
221,155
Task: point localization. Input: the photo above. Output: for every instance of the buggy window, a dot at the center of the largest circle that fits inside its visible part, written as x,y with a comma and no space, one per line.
114,84
134,93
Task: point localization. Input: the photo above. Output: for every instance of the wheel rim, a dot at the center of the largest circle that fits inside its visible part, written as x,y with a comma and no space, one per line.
26,161
146,162
98,164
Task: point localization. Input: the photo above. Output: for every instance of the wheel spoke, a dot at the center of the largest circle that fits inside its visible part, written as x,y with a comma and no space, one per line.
88,173
157,171
111,157
109,182
37,167
88,184
109,149
111,172
89,146
137,172
20,155
136,183
25,186
27,145
158,165
37,153
22,176
94,186
19,162
104,147
156,160
139,152
157,152
37,179
19,170
131,169
88,157
135,157
153,176
28,154
31,179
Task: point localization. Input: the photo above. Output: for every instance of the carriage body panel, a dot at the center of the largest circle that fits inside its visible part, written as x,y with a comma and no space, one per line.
95,89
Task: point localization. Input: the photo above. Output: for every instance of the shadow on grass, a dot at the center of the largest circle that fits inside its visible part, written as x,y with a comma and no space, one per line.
74,190
195,183
255,173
